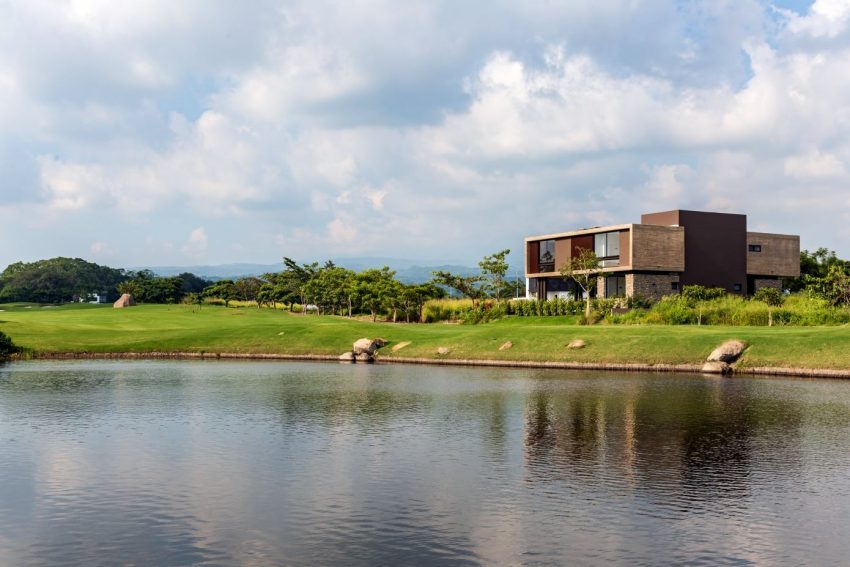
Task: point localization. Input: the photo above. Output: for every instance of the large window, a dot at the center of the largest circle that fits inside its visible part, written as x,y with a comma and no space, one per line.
546,259
607,248
615,286
606,244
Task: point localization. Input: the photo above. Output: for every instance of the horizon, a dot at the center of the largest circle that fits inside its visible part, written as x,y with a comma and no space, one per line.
208,134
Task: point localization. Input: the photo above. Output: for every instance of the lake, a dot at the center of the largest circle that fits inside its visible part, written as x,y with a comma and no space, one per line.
259,463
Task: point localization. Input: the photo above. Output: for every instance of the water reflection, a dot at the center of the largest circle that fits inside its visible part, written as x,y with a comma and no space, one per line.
255,463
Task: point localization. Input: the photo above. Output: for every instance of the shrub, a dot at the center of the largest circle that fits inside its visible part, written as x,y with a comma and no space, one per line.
772,297
7,347
695,293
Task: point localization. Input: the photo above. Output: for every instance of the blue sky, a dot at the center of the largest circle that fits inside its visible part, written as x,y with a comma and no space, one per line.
200,131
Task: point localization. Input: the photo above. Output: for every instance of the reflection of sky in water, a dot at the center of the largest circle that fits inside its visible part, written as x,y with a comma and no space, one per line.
256,463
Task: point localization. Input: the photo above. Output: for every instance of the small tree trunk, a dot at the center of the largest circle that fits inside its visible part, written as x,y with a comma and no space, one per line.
769,317
374,315
349,308
395,314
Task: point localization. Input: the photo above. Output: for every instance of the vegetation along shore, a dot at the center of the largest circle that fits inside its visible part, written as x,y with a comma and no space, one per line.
42,331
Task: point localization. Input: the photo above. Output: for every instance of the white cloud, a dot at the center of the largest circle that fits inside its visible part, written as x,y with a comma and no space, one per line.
197,242
400,129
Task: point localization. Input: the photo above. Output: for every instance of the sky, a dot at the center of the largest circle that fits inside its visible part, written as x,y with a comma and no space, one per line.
210,131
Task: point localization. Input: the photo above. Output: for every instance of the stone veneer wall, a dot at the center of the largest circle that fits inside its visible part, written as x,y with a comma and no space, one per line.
765,282
651,286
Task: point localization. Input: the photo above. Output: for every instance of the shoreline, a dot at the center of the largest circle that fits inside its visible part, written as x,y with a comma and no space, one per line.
487,363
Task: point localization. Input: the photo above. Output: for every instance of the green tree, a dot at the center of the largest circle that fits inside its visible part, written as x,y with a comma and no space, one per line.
494,268
7,347
584,269
297,277
223,290
58,280
414,297
833,287
372,288
773,298
466,286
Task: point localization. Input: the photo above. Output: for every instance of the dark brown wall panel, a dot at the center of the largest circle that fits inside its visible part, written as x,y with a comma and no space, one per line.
715,249
532,255
579,242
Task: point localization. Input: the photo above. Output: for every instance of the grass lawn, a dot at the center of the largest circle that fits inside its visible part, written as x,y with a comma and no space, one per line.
180,328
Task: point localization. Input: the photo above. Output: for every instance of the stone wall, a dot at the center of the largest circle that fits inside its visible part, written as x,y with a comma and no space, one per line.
760,283
651,286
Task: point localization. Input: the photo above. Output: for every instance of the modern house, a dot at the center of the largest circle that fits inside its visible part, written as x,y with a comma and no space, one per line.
666,251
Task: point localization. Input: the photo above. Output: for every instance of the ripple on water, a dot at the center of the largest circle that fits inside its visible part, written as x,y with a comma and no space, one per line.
176,463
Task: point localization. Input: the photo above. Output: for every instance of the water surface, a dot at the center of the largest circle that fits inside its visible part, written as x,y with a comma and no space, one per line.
177,463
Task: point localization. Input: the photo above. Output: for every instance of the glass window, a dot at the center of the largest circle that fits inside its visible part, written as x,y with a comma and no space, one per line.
546,259
755,247
600,245
615,286
606,244
613,244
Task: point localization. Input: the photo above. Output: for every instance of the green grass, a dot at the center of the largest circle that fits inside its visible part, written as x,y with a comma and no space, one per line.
180,328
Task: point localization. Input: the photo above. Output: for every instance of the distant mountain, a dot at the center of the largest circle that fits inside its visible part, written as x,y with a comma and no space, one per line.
406,271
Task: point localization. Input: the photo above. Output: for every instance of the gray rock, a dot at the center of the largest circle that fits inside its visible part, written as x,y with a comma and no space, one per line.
346,357
576,343
364,357
506,346
443,350
728,352
368,346
716,367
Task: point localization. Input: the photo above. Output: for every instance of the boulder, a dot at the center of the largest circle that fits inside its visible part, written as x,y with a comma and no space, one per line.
728,352
368,346
364,357
576,343
400,346
126,300
716,367
346,357
443,350
506,346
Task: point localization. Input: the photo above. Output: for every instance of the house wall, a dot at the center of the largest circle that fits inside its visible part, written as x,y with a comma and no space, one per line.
657,248
761,283
779,256
715,247
650,286
562,252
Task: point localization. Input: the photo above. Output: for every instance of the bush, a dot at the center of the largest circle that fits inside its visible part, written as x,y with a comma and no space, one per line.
7,347
772,297
694,293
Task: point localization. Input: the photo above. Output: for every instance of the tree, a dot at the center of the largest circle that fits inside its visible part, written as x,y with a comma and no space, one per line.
58,280
494,268
583,269
246,288
814,266
7,347
222,289
414,297
773,298
833,287
297,278
372,288
466,286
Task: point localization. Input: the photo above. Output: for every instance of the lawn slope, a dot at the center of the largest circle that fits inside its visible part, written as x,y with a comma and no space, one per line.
178,328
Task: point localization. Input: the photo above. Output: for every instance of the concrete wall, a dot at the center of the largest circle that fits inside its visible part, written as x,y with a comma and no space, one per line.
779,256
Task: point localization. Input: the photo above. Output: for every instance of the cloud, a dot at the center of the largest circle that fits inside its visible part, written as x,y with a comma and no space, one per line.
321,128
196,244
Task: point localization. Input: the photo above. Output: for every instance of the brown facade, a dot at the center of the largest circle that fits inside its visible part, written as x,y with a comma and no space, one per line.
773,254
715,247
668,250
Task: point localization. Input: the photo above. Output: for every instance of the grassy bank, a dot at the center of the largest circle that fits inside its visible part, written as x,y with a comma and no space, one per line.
179,328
